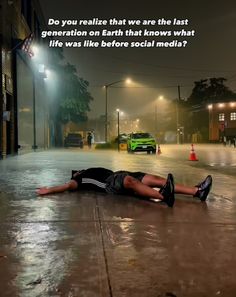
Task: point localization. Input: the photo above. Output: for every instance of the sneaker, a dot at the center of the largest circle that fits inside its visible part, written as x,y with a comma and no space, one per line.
204,188
168,191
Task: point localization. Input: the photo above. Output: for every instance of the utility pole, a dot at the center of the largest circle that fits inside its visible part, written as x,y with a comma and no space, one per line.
118,129
155,120
177,117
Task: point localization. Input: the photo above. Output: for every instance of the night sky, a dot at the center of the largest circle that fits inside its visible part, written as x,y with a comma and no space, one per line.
154,71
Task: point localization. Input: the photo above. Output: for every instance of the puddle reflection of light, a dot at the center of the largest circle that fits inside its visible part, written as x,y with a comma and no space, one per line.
38,248
125,227
39,256
222,164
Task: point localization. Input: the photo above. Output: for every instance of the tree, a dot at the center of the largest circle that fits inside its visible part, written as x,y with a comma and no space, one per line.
217,91
210,90
74,96
71,98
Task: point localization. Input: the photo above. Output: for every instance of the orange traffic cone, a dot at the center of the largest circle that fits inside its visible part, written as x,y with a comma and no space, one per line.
158,150
192,156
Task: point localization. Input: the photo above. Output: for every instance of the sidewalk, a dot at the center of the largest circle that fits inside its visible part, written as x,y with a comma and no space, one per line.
90,244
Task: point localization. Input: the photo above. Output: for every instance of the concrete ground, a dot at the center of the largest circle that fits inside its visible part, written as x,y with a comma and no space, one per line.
89,244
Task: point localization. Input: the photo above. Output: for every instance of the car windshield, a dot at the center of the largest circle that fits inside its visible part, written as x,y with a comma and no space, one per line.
74,135
142,135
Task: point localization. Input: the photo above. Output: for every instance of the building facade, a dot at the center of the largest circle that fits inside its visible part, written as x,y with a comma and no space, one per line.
23,113
222,120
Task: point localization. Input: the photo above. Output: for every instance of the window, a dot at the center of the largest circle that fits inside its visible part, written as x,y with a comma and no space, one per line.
221,117
233,116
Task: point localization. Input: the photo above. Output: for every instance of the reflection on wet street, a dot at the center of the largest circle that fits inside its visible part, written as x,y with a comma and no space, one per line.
91,244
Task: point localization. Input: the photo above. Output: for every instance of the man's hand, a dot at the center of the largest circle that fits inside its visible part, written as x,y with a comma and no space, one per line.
71,185
43,191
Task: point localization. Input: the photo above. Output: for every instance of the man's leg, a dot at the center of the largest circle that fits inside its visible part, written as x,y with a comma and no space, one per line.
166,195
140,188
157,181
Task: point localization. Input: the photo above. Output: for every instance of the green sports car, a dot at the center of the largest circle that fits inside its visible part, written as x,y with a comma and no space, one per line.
141,142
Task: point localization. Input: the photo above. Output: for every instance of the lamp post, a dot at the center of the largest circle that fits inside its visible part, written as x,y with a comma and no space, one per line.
118,129
119,113
106,102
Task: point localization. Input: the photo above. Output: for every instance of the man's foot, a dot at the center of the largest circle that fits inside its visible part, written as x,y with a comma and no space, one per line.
204,188
168,191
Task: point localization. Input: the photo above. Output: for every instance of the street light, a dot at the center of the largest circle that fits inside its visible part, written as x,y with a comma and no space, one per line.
106,101
35,50
47,74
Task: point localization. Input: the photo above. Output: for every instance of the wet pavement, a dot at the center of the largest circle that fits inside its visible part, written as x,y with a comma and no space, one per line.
92,244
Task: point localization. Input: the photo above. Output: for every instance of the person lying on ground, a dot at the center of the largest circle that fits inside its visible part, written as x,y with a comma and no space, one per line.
130,183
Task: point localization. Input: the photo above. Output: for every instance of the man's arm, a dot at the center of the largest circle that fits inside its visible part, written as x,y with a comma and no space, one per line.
71,185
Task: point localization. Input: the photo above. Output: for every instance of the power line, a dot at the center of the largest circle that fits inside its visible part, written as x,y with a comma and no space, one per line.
129,61
145,74
141,87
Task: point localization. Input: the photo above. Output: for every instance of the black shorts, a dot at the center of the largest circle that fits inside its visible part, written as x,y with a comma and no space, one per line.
115,182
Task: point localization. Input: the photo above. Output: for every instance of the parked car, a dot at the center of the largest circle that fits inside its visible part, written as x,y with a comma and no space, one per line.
74,139
122,138
141,142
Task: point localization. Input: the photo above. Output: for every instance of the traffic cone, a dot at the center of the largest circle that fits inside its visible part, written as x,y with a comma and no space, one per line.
158,150
192,156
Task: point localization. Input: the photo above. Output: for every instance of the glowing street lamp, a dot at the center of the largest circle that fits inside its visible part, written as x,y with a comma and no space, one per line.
35,50
210,106
47,74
